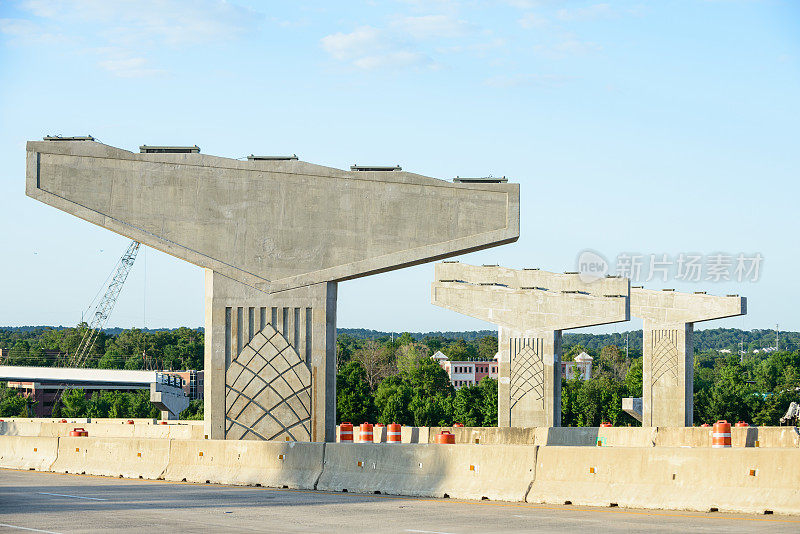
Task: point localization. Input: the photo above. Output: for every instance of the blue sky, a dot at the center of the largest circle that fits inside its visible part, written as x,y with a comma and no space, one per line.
645,128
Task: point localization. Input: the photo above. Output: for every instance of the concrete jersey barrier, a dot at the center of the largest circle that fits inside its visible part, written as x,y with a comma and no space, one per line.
275,464
27,452
116,457
501,472
733,480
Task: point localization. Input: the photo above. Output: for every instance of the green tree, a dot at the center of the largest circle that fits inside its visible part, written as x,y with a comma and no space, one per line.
194,411
428,379
74,403
488,387
468,406
12,402
393,400
432,411
487,347
633,379
353,396
112,359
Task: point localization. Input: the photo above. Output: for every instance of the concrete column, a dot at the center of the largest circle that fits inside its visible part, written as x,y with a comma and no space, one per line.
668,351
529,378
531,308
317,340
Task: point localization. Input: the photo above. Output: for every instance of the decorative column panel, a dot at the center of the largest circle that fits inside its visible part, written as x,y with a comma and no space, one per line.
529,386
270,361
668,374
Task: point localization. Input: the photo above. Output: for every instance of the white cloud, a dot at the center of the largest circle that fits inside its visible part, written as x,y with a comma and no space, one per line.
25,31
358,43
594,11
521,80
569,47
401,58
533,20
134,67
433,26
399,44
124,32
166,21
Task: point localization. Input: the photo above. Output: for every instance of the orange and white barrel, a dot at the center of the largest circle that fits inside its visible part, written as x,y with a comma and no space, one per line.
605,424
705,425
445,438
365,433
78,432
721,435
346,433
457,425
393,433
741,424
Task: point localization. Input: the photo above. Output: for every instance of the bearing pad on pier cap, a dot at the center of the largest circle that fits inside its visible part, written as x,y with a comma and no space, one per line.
531,308
668,350
275,236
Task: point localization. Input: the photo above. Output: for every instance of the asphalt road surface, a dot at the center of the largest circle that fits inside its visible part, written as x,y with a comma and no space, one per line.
48,502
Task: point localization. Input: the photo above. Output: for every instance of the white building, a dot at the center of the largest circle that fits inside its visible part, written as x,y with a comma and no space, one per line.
466,373
580,368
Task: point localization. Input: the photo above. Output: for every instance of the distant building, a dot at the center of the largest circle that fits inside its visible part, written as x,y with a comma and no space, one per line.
581,367
44,394
466,373
191,381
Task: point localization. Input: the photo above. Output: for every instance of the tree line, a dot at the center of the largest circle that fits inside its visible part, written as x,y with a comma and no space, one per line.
387,378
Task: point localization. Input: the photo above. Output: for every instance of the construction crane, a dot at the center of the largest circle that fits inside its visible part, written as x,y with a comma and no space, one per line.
105,306
101,313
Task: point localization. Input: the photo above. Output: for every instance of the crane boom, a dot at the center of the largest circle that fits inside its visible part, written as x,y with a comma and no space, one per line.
105,306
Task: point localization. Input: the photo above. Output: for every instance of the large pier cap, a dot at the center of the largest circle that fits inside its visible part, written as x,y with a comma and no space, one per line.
275,236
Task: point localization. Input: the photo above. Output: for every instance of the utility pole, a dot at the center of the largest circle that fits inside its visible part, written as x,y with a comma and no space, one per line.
626,346
776,336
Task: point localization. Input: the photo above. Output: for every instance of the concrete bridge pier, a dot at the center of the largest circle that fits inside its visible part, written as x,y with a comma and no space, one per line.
668,351
270,361
275,235
531,308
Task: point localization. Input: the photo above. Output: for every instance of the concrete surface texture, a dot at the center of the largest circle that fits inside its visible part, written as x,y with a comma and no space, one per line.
633,407
109,428
48,502
668,352
531,308
274,236
749,480
766,437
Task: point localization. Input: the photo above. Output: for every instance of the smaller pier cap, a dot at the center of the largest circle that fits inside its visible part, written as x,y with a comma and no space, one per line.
529,300
668,349
661,306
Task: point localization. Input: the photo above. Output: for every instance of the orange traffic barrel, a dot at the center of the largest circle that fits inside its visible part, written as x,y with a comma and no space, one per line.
393,433
741,424
346,432
63,421
705,425
129,422
445,438
163,423
721,435
365,433
76,432
605,424
457,425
